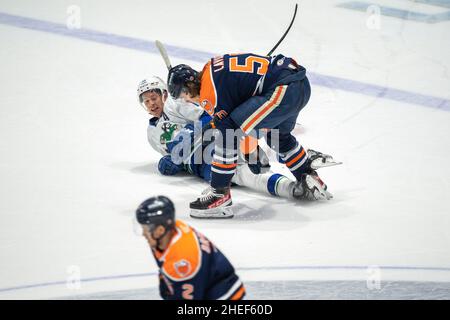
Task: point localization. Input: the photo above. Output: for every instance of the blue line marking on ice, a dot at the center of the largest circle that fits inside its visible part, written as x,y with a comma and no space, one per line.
398,13
201,56
95,279
268,268
101,37
438,3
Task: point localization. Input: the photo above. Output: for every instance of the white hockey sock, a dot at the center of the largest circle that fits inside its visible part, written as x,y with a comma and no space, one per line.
270,183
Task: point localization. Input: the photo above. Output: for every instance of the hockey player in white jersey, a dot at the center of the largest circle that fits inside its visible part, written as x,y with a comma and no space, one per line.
172,118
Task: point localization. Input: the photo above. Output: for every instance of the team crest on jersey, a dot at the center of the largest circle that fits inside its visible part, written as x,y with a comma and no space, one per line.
204,103
182,267
207,106
168,130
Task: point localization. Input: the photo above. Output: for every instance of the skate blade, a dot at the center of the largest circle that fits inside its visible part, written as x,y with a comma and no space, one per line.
328,195
317,164
214,213
322,195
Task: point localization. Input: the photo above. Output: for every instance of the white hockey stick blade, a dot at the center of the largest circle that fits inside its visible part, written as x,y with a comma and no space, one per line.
215,213
164,55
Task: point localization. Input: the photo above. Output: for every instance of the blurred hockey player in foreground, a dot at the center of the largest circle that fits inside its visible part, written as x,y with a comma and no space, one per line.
190,266
250,93
174,118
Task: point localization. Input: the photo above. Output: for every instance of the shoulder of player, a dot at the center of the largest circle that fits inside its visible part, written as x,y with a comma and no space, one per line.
181,110
170,106
183,259
184,106
208,93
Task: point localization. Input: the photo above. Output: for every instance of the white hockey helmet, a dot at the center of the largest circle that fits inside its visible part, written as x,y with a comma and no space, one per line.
152,83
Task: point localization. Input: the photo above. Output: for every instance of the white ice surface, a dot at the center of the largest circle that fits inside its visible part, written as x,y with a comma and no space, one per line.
75,163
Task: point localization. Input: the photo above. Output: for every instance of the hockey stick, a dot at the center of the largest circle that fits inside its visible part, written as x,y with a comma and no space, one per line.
196,143
286,32
209,126
164,55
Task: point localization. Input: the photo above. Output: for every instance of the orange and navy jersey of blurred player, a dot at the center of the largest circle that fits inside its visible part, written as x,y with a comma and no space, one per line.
191,268
231,79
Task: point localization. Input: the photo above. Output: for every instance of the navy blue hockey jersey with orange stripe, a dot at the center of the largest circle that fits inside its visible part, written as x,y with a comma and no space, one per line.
191,268
229,80
254,93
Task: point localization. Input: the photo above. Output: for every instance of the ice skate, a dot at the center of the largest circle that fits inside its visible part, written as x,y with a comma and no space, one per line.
212,204
311,187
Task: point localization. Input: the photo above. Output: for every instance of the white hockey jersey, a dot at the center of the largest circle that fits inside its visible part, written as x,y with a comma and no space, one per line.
176,115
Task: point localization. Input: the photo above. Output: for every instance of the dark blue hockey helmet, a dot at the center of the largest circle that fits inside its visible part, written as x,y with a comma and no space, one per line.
156,211
178,78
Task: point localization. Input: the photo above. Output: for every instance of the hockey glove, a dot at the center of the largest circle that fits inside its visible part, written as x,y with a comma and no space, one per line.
167,168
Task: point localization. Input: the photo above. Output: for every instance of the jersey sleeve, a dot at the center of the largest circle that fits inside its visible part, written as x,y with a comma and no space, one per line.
208,94
188,111
153,137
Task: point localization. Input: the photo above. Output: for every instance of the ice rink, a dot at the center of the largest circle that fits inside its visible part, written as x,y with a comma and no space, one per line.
75,161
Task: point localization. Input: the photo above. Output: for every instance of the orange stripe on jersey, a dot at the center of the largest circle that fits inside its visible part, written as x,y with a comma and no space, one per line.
239,294
301,154
183,257
208,95
224,166
267,106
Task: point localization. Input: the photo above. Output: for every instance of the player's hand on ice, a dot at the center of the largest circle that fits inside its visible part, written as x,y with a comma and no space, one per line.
167,167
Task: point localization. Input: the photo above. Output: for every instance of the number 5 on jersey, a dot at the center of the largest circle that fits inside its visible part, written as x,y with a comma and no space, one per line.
249,65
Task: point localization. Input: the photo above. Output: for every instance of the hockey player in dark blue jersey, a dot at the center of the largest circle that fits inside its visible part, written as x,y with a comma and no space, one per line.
251,93
190,266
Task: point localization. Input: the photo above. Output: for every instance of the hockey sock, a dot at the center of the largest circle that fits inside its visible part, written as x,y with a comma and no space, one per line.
296,160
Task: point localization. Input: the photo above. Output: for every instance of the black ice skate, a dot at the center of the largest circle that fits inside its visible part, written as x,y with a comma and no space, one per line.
317,160
212,204
311,187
